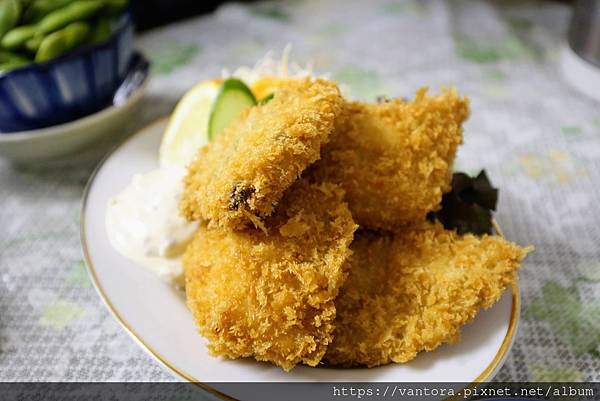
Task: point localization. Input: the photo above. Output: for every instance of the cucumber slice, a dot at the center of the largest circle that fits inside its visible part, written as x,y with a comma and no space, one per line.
266,99
234,96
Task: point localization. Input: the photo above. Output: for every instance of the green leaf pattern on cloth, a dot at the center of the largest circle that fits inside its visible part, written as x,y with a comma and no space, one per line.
570,130
575,322
541,373
272,10
493,75
167,59
404,7
478,52
79,276
60,313
589,270
362,83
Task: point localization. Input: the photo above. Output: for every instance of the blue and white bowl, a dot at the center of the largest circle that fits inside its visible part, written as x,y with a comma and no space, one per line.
72,86
60,141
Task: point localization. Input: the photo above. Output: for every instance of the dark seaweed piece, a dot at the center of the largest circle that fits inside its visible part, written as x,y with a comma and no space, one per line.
239,195
468,207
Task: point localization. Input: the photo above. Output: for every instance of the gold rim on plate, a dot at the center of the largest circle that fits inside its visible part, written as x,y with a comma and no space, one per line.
484,376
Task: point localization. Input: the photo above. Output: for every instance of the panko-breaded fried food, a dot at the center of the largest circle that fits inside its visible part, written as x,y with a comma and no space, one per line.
394,159
413,291
240,176
271,297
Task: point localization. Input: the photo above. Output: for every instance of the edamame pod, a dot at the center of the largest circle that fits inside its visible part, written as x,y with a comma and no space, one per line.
77,11
52,46
25,3
38,9
10,12
76,34
101,31
60,42
33,44
113,8
6,56
15,38
11,65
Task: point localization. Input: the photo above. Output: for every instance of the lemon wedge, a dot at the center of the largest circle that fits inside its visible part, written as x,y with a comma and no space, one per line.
187,130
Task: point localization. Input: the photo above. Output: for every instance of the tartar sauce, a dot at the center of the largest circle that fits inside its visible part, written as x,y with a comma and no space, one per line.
144,224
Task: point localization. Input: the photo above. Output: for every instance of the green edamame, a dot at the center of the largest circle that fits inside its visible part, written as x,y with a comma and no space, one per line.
10,61
10,13
77,33
11,65
7,57
51,28
25,3
15,38
113,8
101,31
51,46
33,44
76,11
38,9
62,41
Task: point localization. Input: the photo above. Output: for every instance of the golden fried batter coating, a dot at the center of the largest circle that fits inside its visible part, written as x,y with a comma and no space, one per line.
413,291
394,159
242,174
272,296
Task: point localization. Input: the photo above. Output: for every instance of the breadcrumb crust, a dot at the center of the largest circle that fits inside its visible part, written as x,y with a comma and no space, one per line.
271,297
273,251
394,159
412,291
246,169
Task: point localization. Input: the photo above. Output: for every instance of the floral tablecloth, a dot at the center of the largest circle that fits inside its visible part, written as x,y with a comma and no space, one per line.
538,139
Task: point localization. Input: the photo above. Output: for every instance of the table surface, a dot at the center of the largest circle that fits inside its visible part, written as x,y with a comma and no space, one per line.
538,139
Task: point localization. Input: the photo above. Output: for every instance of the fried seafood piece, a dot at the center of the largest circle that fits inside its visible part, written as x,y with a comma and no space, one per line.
271,297
413,291
394,159
242,174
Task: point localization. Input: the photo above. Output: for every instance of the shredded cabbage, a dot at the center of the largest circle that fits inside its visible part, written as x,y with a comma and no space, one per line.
269,66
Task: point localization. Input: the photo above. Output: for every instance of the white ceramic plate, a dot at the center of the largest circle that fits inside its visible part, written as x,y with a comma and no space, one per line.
156,316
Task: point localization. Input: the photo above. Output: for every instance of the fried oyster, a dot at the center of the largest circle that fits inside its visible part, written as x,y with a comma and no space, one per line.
270,295
394,159
412,291
240,176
